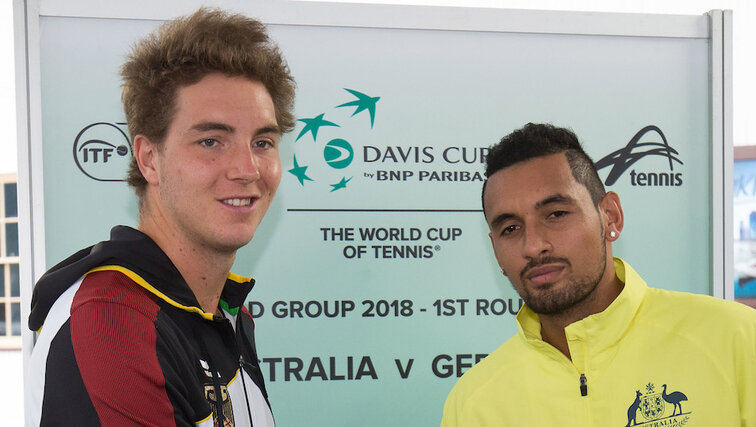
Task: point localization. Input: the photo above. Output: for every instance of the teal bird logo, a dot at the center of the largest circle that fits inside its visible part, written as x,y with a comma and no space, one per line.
338,154
363,102
300,172
312,125
341,184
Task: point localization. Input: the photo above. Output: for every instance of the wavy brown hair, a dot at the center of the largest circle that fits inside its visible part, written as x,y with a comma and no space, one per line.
183,51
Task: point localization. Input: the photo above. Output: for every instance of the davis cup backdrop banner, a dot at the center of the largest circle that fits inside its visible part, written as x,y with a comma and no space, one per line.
376,285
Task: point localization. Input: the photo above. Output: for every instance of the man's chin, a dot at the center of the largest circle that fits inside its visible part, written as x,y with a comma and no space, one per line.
231,244
544,302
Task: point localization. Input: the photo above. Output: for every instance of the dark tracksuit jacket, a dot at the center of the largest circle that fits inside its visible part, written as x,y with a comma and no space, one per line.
122,341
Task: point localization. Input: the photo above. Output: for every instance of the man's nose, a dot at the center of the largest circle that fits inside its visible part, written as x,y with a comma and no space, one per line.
244,164
536,242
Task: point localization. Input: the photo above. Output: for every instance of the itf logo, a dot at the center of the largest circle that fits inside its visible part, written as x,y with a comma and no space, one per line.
329,162
645,143
102,152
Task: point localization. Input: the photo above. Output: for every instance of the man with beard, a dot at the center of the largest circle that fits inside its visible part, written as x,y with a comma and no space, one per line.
595,346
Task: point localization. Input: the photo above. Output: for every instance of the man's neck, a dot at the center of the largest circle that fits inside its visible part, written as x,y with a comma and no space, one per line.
553,325
205,270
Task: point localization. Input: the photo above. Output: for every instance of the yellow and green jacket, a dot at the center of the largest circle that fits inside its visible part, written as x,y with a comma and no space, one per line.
653,358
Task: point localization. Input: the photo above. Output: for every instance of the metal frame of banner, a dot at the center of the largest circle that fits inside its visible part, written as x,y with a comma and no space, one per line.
716,26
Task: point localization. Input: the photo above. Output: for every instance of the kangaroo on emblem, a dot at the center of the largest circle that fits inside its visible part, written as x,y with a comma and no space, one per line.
632,411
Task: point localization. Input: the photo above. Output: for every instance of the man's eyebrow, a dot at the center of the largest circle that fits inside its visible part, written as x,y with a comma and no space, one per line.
217,126
556,198
210,126
269,129
500,218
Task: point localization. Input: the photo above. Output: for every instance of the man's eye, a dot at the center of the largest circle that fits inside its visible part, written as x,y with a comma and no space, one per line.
558,214
209,142
263,143
509,230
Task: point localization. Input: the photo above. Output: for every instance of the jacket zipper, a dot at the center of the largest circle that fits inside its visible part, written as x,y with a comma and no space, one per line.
221,417
244,386
227,325
583,385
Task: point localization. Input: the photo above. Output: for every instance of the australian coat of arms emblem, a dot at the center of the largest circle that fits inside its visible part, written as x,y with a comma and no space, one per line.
653,405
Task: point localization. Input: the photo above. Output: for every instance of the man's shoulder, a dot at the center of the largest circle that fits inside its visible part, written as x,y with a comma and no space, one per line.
112,285
697,305
696,315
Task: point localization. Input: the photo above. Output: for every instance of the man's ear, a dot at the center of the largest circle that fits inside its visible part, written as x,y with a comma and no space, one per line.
612,215
145,153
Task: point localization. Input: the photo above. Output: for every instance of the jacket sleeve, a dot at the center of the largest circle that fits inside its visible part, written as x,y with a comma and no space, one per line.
113,336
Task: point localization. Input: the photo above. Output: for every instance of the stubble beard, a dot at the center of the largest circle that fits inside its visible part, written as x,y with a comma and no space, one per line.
550,301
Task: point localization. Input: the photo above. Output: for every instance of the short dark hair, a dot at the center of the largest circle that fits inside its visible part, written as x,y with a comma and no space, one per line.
182,52
538,140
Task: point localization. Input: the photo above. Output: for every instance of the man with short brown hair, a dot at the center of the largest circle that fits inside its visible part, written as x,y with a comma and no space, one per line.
149,327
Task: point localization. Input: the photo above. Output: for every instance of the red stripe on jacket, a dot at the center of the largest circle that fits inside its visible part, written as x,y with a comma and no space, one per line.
113,336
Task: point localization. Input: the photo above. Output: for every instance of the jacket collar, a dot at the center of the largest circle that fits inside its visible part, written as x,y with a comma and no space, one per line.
133,253
600,330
